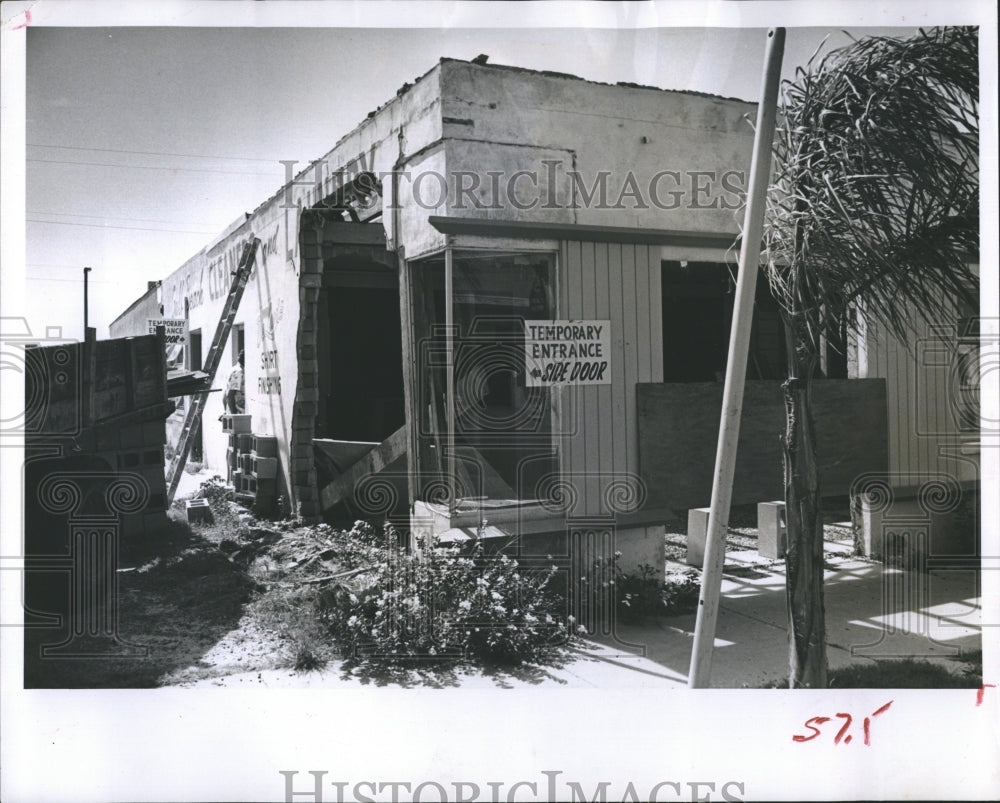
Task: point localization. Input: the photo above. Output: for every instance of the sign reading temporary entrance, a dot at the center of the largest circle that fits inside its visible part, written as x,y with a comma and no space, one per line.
567,353
176,329
176,337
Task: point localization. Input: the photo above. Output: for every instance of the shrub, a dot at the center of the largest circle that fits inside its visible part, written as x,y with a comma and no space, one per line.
222,501
215,490
435,603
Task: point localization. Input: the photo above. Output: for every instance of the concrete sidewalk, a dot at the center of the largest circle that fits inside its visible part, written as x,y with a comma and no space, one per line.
871,612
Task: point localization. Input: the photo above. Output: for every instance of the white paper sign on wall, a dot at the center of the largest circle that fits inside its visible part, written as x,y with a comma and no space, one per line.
567,353
176,337
176,329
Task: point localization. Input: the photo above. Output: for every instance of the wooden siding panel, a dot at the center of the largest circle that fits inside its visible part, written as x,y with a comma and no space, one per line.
631,356
603,393
620,391
594,260
642,304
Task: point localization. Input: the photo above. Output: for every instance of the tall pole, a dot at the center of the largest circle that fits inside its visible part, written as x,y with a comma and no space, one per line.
449,324
86,321
736,366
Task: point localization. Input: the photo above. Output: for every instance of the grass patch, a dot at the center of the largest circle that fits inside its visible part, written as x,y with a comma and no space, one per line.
908,673
905,673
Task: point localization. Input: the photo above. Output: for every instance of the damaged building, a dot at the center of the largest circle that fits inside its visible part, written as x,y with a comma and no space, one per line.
505,296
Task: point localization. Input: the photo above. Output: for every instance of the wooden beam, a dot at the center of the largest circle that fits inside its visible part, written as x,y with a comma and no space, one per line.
407,319
388,451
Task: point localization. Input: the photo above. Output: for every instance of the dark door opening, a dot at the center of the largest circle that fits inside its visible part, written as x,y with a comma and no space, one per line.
362,384
697,308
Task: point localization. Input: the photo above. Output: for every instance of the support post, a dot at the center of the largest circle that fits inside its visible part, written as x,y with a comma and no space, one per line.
449,324
86,301
736,366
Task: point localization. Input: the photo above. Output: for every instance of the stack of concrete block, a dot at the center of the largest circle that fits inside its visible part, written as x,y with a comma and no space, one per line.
138,449
239,444
256,474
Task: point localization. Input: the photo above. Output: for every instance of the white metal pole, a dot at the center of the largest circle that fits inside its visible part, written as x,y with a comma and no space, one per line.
449,324
736,366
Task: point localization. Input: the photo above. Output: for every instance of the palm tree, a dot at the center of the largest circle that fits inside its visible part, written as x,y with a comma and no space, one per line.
873,212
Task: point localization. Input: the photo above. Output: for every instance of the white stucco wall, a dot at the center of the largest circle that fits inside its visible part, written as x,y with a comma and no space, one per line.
472,118
693,149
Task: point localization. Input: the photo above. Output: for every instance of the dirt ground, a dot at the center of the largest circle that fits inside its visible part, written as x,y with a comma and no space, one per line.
190,604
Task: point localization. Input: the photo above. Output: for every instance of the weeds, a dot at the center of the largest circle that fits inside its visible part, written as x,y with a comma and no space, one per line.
640,594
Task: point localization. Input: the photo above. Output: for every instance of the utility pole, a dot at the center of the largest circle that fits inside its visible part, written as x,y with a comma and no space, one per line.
736,366
86,321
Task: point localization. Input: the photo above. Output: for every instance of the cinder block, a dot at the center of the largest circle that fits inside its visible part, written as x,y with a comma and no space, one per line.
265,446
640,546
128,459
244,442
236,424
909,525
107,439
264,468
261,487
697,536
131,437
198,511
154,433
772,531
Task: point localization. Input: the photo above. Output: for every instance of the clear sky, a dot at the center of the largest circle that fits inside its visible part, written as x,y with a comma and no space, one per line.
144,143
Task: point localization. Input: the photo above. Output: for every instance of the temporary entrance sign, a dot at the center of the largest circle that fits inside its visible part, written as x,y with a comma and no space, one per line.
176,335
567,353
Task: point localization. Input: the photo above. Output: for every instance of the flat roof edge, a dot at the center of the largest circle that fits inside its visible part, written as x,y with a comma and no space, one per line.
575,231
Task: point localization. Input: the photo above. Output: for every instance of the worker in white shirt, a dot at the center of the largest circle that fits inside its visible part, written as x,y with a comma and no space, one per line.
234,400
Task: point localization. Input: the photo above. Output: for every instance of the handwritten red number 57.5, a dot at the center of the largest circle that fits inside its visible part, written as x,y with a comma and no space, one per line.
842,734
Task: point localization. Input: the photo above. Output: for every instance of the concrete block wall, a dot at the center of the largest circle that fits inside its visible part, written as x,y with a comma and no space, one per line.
138,449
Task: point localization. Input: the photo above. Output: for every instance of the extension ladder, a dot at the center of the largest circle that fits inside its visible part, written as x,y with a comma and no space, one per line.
192,420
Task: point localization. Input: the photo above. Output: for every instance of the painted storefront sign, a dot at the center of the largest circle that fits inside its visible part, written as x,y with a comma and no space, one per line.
269,381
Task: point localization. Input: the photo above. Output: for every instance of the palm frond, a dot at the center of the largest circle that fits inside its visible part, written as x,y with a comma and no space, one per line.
875,191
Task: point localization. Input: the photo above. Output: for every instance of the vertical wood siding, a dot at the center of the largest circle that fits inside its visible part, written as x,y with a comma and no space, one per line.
921,396
620,283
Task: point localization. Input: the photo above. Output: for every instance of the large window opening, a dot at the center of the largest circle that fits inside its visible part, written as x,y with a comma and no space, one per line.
493,436
697,304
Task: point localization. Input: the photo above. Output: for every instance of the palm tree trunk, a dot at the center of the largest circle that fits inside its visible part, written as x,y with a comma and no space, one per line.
804,521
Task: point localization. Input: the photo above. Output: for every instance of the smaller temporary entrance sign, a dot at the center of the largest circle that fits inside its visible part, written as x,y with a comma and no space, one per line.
176,336
567,353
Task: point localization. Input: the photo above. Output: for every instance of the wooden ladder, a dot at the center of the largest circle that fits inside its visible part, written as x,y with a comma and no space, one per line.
192,420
